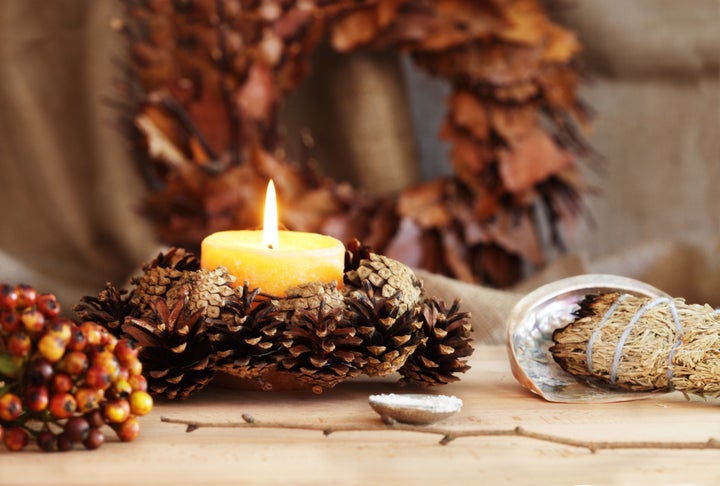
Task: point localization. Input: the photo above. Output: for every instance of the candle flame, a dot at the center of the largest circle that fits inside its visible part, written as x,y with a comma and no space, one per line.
270,222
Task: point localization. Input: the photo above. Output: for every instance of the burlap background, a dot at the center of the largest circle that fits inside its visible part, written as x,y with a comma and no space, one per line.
68,191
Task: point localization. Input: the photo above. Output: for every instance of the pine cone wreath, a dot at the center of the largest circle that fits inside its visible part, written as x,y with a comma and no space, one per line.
109,308
322,349
192,322
446,349
176,353
390,335
247,336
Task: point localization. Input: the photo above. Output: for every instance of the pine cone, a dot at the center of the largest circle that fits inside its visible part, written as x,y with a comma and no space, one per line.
355,253
177,274
448,342
308,297
388,278
177,258
207,290
246,337
109,308
322,349
389,335
176,353
160,275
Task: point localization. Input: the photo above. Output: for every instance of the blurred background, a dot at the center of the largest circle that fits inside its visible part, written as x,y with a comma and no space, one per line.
69,189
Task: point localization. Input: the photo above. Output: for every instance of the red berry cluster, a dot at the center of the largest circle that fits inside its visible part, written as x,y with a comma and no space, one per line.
62,381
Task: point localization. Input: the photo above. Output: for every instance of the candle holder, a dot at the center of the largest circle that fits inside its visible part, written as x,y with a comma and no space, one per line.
196,324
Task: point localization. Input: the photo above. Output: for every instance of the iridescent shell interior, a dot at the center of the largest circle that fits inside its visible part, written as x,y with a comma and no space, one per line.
529,336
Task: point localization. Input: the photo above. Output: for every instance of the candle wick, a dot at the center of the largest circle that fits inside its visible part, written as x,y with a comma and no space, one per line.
270,246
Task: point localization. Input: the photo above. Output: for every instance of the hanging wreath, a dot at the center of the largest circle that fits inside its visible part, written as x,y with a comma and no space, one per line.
210,76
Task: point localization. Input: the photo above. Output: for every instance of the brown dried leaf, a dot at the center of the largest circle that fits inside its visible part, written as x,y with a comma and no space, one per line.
154,67
211,117
499,267
406,246
519,92
345,226
291,24
271,48
514,122
308,211
468,20
409,29
516,232
528,24
468,112
531,160
354,28
289,180
257,97
492,63
382,225
456,256
387,11
559,86
470,157
164,137
561,45
424,204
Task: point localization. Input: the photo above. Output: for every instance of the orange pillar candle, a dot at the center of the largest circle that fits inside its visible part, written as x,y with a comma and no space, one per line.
274,262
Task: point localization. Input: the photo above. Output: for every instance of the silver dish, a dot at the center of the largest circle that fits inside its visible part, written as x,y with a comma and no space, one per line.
417,409
529,336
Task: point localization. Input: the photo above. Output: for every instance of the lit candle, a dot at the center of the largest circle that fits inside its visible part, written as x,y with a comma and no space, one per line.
274,260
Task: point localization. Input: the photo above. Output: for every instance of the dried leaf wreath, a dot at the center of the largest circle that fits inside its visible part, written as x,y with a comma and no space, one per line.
207,77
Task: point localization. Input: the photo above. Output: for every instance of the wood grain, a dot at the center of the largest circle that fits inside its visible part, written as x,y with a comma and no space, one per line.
166,454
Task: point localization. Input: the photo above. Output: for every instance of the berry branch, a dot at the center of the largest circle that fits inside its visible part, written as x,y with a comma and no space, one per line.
449,435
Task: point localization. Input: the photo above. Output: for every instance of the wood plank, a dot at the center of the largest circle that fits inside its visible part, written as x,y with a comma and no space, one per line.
166,454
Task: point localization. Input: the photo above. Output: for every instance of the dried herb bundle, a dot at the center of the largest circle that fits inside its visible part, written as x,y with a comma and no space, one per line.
207,78
643,344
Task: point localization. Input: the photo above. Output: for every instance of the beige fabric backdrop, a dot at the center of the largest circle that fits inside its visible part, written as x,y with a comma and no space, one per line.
68,191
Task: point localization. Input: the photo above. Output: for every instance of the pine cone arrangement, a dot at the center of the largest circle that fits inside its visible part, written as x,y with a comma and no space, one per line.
207,79
193,323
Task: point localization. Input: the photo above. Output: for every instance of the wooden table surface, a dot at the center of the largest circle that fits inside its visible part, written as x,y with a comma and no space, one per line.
166,454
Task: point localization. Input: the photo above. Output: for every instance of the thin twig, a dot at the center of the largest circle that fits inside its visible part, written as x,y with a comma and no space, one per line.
448,435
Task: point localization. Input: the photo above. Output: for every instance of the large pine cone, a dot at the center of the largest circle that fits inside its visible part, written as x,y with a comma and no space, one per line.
322,349
389,278
247,336
389,335
177,275
308,297
176,353
446,349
